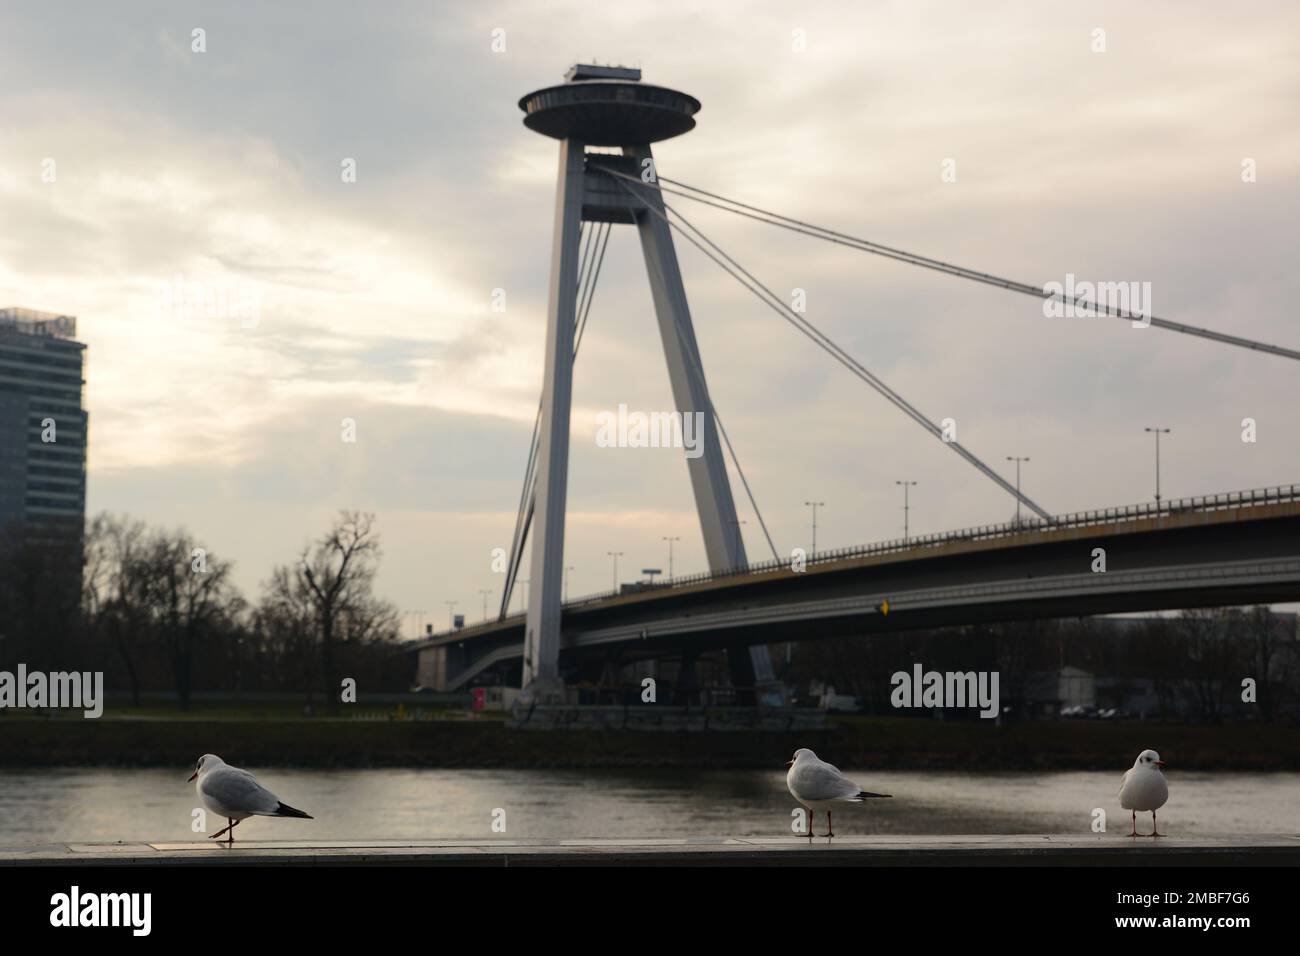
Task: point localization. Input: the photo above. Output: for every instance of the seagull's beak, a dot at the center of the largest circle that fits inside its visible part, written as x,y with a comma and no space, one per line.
192,776
1160,763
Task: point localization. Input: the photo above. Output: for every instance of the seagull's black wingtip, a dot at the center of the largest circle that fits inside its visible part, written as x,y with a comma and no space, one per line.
867,793
284,810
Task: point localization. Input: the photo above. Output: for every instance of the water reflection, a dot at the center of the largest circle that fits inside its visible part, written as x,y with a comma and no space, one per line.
100,805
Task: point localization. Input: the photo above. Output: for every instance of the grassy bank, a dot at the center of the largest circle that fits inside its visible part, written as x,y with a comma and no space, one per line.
852,741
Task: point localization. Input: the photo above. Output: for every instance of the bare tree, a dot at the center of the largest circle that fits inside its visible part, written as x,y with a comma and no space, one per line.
1215,654
337,574
188,591
1015,646
115,592
286,627
1274,659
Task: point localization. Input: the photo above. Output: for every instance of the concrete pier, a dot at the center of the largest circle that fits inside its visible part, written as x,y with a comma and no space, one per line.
984,850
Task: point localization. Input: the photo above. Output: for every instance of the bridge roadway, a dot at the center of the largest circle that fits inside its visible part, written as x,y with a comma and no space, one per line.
1231,549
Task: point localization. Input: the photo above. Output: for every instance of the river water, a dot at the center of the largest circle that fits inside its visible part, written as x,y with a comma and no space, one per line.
102,805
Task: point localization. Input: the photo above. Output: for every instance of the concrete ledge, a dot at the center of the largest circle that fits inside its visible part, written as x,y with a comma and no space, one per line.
987,850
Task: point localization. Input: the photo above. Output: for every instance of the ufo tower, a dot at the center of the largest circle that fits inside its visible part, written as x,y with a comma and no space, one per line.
605,106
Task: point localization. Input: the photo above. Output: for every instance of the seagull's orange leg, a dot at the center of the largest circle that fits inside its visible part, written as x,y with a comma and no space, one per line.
830,827
230,828
1135,824
811,814
1155,831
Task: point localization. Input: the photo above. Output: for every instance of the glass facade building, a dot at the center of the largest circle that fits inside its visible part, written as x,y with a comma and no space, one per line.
42,422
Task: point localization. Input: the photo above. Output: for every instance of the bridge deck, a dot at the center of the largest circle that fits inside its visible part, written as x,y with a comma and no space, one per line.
1179,558
1014,850
1254,506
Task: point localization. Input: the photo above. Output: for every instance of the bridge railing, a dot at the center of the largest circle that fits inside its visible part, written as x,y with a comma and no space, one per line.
1029,525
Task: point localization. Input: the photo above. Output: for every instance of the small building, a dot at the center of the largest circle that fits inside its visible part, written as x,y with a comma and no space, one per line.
828,699
493,697
1063,692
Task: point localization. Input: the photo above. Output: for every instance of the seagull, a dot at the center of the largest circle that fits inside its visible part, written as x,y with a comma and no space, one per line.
236,795
815,783
1144,789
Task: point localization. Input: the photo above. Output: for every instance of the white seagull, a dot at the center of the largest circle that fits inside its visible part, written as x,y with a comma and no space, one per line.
1144,789
236,795
815,783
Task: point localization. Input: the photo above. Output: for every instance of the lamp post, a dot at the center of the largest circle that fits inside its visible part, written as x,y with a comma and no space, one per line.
670,555
451,605
419,622
907,485
814,505
1017,461
615,555
485,594
1158,432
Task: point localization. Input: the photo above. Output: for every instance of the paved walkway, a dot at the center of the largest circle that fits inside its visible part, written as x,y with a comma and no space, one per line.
1092,850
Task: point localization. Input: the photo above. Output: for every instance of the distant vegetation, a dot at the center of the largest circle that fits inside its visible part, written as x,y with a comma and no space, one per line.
155,611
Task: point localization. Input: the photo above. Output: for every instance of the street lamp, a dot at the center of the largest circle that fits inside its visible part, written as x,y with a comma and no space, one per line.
670,555
907,485
419,622
615,555
450,607
814,505
566,583
1158,432
485,594
1017,461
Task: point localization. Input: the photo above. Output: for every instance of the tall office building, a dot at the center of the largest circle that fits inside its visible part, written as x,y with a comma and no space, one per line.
42,422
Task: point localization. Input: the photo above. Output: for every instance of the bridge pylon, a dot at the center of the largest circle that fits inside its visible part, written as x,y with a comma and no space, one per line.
601,106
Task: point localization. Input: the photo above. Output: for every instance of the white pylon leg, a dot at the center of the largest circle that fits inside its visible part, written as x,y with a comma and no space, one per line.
723,544
546,573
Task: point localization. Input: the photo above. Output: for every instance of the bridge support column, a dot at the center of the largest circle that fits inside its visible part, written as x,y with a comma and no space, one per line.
723,544
546,575
688,680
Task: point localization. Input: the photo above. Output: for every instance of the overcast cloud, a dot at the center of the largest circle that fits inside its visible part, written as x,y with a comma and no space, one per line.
224,167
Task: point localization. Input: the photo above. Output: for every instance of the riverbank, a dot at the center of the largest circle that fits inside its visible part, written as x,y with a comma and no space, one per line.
848,741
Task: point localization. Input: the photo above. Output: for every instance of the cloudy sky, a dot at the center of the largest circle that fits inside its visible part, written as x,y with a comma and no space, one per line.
222,170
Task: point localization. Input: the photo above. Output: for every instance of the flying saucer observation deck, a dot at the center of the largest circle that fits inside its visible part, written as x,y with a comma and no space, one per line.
609,106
